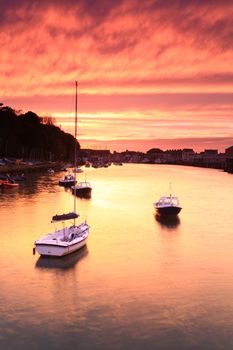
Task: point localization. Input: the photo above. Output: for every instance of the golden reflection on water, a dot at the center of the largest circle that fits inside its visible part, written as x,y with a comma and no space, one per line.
140,280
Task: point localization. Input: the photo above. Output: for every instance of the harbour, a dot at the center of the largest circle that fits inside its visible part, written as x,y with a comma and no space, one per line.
140,282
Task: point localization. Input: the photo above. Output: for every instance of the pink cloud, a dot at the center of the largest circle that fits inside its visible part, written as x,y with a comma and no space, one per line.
159,61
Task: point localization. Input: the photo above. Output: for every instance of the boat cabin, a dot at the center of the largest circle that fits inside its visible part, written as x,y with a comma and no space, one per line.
168,201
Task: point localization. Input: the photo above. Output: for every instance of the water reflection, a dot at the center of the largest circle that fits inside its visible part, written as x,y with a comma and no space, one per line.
66,189
168,222
172,290
65,263
33,183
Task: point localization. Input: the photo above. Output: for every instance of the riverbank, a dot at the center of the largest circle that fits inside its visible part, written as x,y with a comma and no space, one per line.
26,168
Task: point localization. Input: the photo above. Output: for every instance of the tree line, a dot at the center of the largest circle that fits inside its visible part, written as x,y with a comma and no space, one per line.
28,136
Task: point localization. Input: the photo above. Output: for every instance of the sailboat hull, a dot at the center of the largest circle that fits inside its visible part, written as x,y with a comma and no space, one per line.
58,250
63,242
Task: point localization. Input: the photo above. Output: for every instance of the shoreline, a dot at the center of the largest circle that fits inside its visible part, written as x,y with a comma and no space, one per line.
26,168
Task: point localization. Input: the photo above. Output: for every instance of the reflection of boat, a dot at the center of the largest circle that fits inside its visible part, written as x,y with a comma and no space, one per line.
167,206
82,189
168,221
66,262
69,238
67,181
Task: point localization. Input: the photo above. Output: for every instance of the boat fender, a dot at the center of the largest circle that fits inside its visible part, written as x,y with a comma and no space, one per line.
34,250
71,236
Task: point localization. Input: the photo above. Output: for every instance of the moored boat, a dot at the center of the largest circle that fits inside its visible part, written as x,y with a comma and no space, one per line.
9,184
65,240
82,189
77,170
67,181
68,239
87,164
167,206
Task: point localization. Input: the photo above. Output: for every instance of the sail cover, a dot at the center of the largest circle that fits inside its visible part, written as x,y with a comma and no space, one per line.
64,217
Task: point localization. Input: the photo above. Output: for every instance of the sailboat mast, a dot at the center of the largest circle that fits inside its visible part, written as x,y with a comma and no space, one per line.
75,141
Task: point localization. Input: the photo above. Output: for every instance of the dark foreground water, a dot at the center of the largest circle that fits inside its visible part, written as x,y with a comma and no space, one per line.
139,284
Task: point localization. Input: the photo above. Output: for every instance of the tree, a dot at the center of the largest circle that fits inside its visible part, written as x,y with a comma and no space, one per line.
26,135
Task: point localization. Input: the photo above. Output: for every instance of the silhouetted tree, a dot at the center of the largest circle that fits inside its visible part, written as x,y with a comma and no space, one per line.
26,136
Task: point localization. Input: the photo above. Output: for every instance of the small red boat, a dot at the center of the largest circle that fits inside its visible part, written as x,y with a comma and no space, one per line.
8,184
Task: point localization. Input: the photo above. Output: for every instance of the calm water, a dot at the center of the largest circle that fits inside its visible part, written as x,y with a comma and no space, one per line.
139,283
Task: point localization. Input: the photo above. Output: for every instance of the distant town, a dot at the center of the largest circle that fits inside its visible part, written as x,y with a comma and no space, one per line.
209,158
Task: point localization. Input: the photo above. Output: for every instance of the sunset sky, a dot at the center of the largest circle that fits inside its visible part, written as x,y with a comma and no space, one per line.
152,73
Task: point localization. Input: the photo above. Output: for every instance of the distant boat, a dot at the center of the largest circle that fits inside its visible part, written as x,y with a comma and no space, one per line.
87,164
96,165
82,189
77,170
167,206
68,181
69,238
8,184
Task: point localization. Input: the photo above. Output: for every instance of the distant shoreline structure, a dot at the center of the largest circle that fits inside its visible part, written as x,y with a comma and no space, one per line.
209,158
143,145
23,168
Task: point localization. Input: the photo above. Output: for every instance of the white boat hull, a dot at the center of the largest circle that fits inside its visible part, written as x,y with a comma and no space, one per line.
53,250
59,243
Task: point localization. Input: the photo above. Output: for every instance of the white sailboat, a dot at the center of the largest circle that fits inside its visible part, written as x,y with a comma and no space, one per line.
69,238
